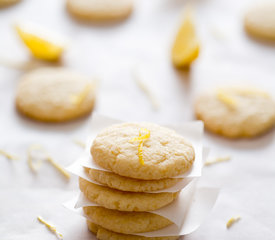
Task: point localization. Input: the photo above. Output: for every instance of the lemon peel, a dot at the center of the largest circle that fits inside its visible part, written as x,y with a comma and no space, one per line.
8,155
79,98
59,168
232,220
227,99
50,227
40,46
141,139
79,143
217,160
186,46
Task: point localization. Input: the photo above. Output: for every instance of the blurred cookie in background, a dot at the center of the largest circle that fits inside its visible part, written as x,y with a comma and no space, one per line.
6,3
100,10
55,94
236,112
259,21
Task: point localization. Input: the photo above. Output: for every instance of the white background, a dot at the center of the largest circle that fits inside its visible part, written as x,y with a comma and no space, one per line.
110,52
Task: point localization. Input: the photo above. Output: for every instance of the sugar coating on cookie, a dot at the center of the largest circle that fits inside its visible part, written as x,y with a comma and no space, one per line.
259,21
104,234
125,201
55,95
100,10
165,153
125,222
118,182
236,112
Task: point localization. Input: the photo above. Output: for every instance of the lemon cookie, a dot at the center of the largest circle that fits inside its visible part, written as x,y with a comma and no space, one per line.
118,182
259,21
121,147
55,95
100,10
124,201
125,222
236,112
104,234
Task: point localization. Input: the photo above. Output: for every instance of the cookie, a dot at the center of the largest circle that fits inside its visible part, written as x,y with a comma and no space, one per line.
124,201
125,222
259,21
118,182
236,112
55,95
165,153
5,3
104,234
100,10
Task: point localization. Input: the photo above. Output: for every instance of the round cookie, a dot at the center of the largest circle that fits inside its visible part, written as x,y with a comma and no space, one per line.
100,10
115,181
125,201
125,222
165,153
236,112
55,95
104,234
259,21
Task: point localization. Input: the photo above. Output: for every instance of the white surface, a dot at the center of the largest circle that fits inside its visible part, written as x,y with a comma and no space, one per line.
110,52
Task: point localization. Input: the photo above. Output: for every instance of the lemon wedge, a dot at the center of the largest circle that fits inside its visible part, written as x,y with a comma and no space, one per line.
39,43
186,46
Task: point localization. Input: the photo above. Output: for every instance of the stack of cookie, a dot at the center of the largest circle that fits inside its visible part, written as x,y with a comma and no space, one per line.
139,158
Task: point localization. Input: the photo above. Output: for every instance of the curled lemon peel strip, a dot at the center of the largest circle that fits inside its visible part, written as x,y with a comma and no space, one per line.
232,220
36,166
141,139
227,99
50,227
8,155
79,98
217,160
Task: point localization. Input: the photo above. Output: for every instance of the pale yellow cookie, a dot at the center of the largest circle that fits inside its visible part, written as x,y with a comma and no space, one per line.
100,10
125,222
259,21
5,3
236,112
118,182
55,95
165,153
124,201
104,234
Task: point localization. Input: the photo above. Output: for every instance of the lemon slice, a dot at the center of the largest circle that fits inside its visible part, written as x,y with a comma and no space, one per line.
186,46
40,43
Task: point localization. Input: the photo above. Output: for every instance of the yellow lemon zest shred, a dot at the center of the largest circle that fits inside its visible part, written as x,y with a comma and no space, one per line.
232,220
8,155
34,166
50,227
227,99
79,98
59,168
217,160
79,143
141,139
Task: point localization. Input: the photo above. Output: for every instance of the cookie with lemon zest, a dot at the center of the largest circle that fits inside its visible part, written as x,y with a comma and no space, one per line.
79,98
141,139
227,99
50,227
232,220
8,155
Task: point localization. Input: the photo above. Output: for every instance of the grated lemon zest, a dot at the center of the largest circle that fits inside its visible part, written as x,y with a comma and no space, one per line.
34,167
59,168
217,160
232,220
227,99
8,155
79,143
146,90
79,98
141,139
50,227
